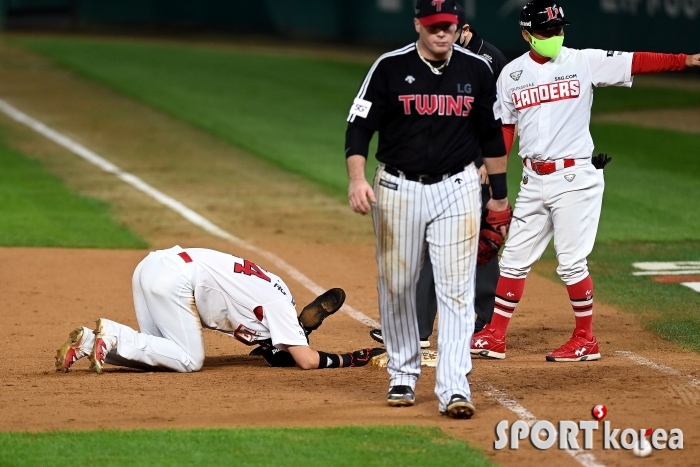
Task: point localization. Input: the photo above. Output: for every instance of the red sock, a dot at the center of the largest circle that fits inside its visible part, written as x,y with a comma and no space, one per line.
508,294
581,296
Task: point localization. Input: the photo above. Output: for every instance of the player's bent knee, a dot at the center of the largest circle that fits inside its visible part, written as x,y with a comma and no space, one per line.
195,364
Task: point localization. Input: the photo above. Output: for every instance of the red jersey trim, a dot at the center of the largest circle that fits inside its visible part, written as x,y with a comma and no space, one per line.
508,137
185,257
540,60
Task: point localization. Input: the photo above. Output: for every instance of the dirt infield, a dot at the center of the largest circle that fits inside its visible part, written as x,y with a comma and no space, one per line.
50,291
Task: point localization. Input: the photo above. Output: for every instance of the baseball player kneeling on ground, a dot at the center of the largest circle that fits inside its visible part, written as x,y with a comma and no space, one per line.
177,292
548,93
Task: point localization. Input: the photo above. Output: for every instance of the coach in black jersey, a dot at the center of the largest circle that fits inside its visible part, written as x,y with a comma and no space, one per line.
486,274
433,105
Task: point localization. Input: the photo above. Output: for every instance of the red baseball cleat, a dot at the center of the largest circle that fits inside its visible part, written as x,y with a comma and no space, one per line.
484,343
578,349
105,341
78,345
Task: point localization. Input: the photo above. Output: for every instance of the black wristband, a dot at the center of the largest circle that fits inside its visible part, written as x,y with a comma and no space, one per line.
499,186
347,360
328,360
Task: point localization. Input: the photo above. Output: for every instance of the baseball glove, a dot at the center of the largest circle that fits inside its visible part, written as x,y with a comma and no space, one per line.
601,160
364,356
262,347
321,308
490,236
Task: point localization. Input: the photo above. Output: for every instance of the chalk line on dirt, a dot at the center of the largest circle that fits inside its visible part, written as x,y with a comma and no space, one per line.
586,459
658,367
172,203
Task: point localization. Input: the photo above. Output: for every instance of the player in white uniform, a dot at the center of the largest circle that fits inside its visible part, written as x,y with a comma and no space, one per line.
177,292
548,93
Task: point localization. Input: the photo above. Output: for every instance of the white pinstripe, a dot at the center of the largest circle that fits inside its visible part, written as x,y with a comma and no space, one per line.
443,217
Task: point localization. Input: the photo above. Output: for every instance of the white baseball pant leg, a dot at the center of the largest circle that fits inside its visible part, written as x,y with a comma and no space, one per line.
454,211
446,214
400,236
171,332
551,205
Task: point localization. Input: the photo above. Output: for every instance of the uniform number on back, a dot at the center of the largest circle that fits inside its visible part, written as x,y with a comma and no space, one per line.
250,269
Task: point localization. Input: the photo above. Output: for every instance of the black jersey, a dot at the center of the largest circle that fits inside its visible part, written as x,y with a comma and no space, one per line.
430,123
489,51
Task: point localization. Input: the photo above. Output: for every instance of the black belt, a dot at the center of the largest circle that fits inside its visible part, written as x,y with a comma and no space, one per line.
421,178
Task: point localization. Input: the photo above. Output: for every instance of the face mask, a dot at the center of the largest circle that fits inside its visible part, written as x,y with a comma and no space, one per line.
549,48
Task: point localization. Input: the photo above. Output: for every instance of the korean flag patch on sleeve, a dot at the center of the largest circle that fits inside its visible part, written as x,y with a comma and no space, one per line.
360,108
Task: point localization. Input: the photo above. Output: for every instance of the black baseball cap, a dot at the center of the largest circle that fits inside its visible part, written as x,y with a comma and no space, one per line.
540,15
430,12
461,17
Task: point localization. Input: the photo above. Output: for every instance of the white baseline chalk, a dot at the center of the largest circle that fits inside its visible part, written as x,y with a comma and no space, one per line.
585,458
658,367
172,203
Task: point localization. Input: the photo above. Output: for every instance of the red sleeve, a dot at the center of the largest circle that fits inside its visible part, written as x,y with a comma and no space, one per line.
508,137
648,62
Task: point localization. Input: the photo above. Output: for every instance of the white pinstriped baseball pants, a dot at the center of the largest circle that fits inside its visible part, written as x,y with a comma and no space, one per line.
444,217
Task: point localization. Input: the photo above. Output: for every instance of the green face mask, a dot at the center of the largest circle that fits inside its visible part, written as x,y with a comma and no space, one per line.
549,48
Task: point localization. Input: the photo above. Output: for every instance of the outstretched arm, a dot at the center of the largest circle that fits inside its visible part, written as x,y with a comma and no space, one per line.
309,359
649,62
306,357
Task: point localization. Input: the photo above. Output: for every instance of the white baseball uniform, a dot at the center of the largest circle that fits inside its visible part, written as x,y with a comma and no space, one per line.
551,104
177,292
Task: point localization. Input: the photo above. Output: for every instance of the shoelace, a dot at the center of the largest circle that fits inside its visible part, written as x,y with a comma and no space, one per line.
574,344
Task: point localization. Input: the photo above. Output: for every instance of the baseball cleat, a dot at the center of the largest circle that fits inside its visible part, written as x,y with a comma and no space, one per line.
104,343
459,407
484,343
401,396
376,334
577,349
321,308
78,345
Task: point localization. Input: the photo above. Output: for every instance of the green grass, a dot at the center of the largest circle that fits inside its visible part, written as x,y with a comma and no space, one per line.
617,99
670,310
292,111
264,447
37,209
289,110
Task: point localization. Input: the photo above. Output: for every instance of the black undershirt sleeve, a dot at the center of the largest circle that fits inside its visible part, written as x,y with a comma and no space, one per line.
492,144
357,140
489,125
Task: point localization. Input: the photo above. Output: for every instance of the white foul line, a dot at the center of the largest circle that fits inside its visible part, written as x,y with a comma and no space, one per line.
172,203
586,459
658,367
